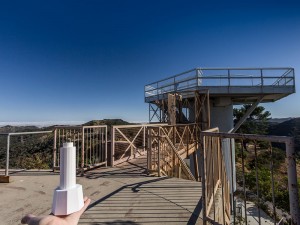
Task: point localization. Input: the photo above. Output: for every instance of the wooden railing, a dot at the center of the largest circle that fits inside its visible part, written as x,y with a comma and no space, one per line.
168,146
127,142
215,180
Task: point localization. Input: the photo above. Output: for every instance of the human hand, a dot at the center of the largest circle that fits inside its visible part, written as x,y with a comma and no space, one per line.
71,219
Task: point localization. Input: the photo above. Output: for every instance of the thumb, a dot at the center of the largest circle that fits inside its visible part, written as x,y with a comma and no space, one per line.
30,219
26,219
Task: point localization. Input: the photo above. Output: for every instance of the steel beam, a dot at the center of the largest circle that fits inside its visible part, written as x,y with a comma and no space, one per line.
248,112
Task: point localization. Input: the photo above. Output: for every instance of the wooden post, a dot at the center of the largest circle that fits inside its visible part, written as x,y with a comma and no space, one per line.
195,157
112,154
187,143
171,109
179,170
208,109
149,150
158,156
203,178
173,154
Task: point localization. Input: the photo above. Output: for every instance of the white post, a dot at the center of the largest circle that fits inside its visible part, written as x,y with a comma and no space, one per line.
68,197
67,166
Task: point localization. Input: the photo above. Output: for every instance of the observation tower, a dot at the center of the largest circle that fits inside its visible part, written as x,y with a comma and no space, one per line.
207,95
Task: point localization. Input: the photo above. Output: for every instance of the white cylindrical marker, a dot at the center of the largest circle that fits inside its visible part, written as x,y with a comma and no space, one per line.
67,166
68,196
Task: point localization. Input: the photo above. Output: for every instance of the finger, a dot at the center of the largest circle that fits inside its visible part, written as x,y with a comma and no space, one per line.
26,219
30,219
87,201
75,216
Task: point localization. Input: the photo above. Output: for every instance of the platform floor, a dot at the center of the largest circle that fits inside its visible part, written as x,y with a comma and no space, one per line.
120,195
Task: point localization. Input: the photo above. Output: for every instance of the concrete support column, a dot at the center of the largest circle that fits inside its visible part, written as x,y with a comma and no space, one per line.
221,114
221,110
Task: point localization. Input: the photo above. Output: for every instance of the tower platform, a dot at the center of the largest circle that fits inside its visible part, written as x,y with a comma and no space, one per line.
242,85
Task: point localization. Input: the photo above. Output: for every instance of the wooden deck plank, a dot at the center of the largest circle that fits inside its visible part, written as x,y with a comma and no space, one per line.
120,195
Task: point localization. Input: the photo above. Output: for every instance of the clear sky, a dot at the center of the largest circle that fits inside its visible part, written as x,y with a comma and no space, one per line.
84,60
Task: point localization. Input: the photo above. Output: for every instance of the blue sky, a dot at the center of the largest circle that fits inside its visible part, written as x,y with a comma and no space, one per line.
84,60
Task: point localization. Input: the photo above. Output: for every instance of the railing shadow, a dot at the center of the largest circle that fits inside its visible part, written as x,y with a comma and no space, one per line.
25,172
146,208
115,222
132,186
129,170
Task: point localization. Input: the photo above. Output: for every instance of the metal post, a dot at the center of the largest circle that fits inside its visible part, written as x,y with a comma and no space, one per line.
261,78
54,150
272,182
292,181
7,156
149,113
257,185
228,71
82,152
160,113
244,182
105,157
232,184
144,139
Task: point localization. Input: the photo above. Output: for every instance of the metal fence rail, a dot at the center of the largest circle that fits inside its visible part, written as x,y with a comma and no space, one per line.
258,146
22,135
90,143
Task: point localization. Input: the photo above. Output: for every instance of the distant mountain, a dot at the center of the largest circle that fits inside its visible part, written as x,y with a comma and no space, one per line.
12,129
108,122
274,121
288,128
40,123
35,151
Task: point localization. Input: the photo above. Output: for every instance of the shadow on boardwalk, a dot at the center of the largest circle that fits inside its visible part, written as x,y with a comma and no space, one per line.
142,199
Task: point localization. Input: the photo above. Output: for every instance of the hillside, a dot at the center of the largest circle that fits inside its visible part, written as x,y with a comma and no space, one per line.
288,128
11,129
108,122
275,121
35,151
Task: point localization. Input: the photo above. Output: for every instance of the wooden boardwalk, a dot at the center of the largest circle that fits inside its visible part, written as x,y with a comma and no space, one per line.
120,195
141,199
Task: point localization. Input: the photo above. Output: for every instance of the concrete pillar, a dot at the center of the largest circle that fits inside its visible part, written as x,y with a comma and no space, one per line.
222,117
221,114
